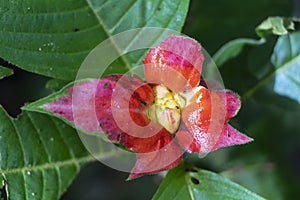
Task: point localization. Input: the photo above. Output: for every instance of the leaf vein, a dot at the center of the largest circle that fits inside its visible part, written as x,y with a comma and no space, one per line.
39,136
51,33
189,187
126,11
52,165
19,139
261,83
51,13
62,139
59,189
106,30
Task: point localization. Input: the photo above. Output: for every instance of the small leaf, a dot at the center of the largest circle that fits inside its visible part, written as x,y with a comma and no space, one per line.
5,72
187,182
286,59
276,26
53,38
39,157
233,48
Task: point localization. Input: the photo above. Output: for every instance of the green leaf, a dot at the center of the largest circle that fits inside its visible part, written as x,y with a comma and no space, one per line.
276,26
286,59
53,37
55,84
5,72
214,22
39,156
186,182
232,49
260,178
286,75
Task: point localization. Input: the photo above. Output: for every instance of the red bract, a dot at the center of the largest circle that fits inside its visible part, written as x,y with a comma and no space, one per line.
176,63
159,118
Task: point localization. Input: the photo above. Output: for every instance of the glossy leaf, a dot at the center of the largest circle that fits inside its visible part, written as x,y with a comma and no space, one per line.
186,182
276,25
39,157
52,38
286,59
5,72
232,49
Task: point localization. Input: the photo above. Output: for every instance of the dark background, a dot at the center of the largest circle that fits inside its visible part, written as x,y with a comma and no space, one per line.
269,166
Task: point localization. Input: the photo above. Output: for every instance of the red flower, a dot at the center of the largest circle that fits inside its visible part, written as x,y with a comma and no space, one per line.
161,117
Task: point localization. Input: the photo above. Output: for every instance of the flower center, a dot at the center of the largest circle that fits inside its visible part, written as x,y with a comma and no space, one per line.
166,109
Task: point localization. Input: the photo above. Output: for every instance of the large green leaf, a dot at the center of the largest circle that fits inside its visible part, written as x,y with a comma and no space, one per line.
5,72
186,182
232,49
286,59
53,37
39,156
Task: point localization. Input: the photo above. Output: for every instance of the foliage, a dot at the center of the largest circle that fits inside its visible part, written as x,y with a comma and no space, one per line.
5,72
41,155
85,23
38,162
187,182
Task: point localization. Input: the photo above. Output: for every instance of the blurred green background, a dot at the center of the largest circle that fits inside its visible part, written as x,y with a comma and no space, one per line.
269,166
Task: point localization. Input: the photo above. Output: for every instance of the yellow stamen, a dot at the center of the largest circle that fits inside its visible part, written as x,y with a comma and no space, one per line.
166,109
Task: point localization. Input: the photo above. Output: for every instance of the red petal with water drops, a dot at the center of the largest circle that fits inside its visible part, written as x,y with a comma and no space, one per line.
176,63
187,141
206,119
154,154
